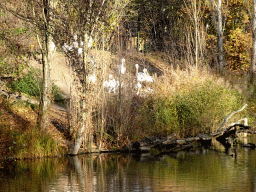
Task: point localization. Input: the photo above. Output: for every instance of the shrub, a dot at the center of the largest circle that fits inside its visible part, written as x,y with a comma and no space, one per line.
195,109
56,92
29,84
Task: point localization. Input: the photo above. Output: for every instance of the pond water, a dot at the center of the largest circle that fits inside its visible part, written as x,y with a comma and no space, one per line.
204,170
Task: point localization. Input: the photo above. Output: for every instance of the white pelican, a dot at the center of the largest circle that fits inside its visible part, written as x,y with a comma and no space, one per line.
143,76
121,67
67,48
111,85
80,52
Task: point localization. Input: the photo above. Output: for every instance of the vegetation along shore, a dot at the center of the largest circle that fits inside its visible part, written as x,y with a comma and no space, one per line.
97,76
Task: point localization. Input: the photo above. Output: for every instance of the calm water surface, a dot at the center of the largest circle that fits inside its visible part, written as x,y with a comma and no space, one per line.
205,170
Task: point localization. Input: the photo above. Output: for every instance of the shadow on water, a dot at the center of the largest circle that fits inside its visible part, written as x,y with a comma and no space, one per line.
202,170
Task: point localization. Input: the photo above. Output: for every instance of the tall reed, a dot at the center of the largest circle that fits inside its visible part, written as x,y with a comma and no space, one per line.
186,102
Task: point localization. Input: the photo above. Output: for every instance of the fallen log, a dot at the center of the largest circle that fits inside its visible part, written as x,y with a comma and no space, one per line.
170,144
230,115
250,145
230,132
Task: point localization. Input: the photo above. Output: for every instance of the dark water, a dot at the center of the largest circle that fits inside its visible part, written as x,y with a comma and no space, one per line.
205,170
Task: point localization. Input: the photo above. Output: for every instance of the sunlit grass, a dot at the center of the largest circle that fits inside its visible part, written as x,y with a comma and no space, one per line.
186,101
20,133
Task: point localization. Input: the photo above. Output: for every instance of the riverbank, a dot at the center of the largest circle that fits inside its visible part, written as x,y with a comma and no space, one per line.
187,102
199,170
20,137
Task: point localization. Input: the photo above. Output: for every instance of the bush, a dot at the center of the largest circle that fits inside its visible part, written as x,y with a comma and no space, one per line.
29,84
196,109
56,92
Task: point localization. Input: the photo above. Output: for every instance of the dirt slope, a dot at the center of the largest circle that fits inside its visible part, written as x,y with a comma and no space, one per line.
60,72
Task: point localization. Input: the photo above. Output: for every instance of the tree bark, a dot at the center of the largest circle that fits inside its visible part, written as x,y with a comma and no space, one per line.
45,101
47,53
196,30
230,115
80,133
253,61
220,36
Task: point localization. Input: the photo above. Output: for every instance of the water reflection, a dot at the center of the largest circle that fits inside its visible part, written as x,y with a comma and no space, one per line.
206,170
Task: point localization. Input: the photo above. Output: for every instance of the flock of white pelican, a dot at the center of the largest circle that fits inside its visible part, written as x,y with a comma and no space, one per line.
112,85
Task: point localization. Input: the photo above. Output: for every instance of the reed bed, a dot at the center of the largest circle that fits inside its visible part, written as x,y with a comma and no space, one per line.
186,101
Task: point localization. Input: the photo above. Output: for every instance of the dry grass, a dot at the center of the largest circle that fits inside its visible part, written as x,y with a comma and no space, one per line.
114,117
180,103
19,134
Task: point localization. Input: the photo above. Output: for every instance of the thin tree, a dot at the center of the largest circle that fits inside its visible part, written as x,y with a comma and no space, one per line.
220,36
219,26
47,50
39,20
253,61
193,8
84,19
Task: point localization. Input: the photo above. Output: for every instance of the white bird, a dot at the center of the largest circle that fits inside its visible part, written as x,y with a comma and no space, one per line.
92,78
138,87
143,76
142,90
80,52
67,48
148,78
52,47
121,67
111,85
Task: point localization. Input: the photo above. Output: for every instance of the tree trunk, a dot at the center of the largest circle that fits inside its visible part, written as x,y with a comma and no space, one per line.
196,30
45,101
81,128
80,133
253,61
220,36
47,53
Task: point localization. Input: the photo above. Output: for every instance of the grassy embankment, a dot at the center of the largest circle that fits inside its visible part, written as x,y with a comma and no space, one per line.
186,102
19,134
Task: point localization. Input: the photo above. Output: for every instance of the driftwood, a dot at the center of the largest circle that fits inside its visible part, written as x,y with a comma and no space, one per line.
230,115
230,133
170,144
250,145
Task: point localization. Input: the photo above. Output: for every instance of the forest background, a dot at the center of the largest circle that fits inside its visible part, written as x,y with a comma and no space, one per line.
201,55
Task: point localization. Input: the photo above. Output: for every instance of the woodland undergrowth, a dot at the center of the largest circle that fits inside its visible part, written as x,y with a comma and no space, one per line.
187,101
